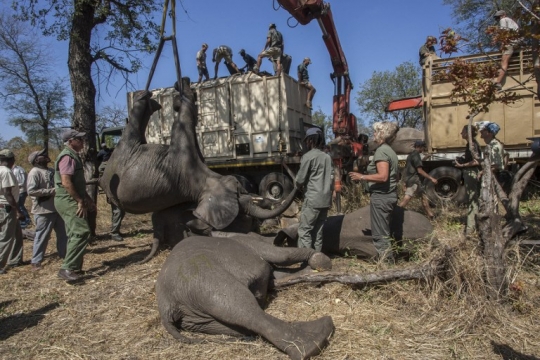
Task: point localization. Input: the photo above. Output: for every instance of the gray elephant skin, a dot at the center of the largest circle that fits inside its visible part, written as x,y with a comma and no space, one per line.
143,178
351,234
218,285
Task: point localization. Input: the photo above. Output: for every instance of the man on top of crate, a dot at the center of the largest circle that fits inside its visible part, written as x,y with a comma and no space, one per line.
303,78
505,23
223,52
272,49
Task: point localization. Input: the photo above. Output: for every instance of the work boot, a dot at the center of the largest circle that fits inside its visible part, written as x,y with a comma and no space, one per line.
36,267
68,275
3,271
116,237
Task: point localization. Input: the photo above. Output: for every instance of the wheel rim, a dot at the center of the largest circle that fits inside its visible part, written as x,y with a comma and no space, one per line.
446,188
275,190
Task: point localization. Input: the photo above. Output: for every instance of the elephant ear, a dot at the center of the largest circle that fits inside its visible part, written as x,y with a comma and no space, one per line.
218,204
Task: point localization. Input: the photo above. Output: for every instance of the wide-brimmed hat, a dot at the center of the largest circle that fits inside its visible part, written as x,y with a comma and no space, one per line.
6,153
33,156
71,134
312,131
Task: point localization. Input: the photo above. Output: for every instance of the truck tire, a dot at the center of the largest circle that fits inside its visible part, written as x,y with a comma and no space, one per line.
449,187
275,186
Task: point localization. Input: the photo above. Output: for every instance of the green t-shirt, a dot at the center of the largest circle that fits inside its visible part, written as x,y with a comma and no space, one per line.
411,173
384,153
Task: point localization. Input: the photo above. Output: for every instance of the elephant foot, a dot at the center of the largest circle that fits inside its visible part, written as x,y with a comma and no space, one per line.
320,262
306,339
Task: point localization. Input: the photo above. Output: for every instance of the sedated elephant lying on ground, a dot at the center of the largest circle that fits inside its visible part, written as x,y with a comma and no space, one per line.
351,233
174,224
218,286
142,178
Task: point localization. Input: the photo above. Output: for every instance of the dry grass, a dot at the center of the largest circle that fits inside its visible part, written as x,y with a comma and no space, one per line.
113,315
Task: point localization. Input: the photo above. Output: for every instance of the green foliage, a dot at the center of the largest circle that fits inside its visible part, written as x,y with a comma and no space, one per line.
319,118
475,16
375,94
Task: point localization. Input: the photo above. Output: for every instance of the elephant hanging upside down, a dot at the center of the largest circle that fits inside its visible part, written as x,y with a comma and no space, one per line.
218,285
143,178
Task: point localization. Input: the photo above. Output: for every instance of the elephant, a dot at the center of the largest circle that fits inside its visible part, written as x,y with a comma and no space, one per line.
143,178
218,285
351,234
174,224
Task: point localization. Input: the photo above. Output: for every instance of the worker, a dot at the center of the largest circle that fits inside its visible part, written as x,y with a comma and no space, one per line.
201,63
303,78
470,169
413,184
249,60
505,23
427,50
273,48
494,150
223,52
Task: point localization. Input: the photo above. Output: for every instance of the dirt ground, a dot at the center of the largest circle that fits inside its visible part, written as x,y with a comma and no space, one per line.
113,313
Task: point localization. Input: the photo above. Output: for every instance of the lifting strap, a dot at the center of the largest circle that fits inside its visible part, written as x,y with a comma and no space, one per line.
162,40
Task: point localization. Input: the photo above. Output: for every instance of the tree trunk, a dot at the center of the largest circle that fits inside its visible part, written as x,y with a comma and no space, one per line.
83,89
434,268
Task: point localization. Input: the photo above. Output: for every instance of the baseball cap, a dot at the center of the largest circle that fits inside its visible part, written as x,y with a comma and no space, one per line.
480,125
71,134
6,153
499,13
308,60
33,156
313,131
272,25
241,51
419,143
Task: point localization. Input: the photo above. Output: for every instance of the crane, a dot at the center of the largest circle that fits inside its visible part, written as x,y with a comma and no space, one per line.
347,146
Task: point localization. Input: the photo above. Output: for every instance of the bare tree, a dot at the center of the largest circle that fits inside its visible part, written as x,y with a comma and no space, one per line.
105,39
111,116
34,100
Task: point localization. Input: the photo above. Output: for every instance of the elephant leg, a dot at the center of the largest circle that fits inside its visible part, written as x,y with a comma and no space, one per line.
288,256
240,310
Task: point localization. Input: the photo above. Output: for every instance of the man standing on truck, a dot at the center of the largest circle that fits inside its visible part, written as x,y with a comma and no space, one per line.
505,23
249,60
427,50
303,78
413,171
201,63
315,175
223,52
273,48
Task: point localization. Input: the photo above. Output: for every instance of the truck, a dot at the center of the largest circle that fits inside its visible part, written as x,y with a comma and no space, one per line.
445,116
248,125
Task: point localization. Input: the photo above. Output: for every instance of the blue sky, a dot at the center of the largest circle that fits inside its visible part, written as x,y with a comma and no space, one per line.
375,36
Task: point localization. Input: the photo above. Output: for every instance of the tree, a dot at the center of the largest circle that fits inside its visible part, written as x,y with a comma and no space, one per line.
104,36
35,102
375,94
474,17
111,116
324,121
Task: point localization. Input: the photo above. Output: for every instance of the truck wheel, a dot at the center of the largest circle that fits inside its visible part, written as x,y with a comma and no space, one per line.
275,186
449,187
246,183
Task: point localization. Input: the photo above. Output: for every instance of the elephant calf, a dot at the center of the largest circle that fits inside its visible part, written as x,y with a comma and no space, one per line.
218,285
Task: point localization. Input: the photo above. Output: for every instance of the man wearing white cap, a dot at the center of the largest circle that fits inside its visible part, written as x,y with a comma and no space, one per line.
72,202
10,230
316,177
303,78
505,23
41,189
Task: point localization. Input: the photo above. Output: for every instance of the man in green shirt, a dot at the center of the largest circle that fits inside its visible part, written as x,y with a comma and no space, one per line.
413,171
316,177
303,78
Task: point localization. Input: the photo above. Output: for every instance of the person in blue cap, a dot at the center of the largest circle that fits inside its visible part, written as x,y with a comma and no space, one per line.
315,176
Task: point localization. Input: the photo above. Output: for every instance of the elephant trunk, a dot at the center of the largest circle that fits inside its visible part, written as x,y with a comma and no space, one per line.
155,246
251,209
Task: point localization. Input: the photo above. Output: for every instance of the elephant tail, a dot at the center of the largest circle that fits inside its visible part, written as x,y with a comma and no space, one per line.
153,251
